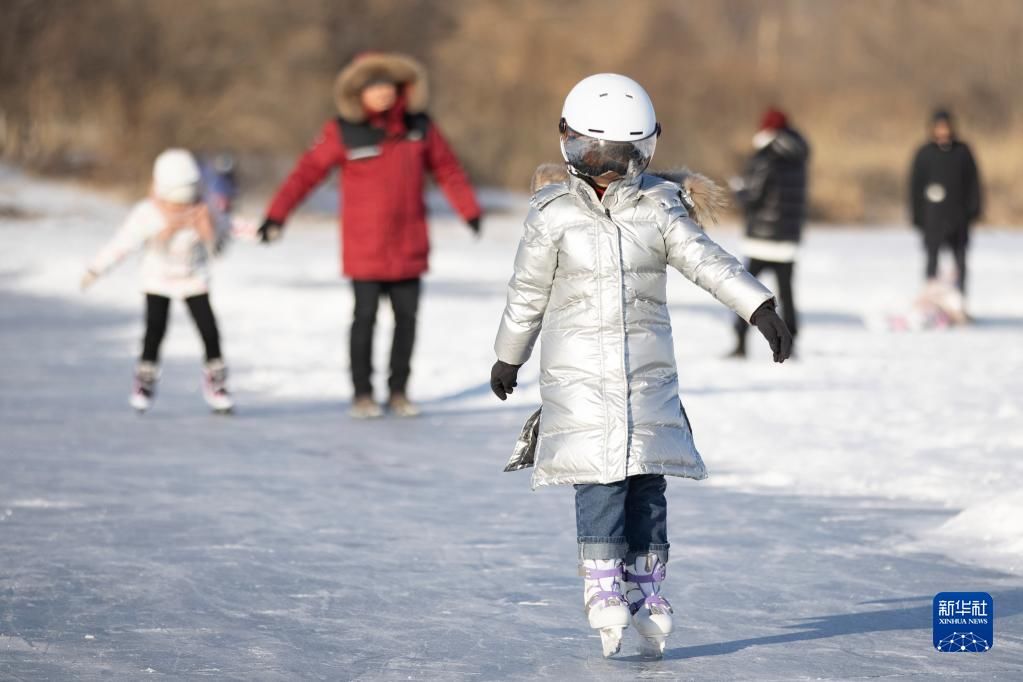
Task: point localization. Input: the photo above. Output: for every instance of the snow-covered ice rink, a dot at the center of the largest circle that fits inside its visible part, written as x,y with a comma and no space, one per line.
289,542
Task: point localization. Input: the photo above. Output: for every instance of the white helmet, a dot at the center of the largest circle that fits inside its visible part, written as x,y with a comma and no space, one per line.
176,177
608,106
608,127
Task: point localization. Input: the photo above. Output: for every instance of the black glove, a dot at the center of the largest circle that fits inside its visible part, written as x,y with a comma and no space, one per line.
270,231
474,225
503,379
774,330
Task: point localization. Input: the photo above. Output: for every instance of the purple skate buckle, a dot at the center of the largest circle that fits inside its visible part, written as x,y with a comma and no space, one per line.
656,576
607,597
595,573
655,602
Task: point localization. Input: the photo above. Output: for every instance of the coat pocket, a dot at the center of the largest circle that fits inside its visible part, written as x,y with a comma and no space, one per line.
524,455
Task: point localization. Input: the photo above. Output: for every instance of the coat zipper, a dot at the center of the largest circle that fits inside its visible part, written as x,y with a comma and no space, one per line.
624,335
603,373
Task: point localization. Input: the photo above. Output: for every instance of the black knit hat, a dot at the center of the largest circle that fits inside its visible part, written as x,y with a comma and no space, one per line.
941,114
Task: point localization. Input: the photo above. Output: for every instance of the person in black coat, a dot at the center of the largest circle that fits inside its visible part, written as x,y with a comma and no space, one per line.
773,192
945,195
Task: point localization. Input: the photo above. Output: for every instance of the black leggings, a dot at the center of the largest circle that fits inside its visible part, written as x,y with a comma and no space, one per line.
783,271
404,297
957,245
157,310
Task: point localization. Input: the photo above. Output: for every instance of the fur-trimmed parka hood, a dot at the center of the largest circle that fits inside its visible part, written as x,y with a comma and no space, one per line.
708,197
371,66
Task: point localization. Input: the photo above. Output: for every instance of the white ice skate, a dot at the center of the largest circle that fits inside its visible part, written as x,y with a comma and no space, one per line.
605,604
144,386
214,387
651,613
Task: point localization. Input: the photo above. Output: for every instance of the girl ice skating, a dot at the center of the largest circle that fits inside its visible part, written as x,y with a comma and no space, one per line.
178,235
590,281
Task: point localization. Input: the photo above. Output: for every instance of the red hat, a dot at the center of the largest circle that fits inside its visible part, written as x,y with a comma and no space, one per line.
773,119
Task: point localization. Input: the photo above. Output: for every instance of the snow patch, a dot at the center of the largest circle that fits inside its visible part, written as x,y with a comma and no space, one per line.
986,533
745,481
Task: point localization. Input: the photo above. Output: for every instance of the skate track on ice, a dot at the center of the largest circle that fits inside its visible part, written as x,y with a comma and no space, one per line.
290,542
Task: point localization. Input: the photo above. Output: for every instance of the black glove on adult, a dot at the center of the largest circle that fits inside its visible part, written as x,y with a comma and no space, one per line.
270,231
774,330
503,379
474,225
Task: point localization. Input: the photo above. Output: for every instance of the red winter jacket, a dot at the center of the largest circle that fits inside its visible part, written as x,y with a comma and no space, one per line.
383,214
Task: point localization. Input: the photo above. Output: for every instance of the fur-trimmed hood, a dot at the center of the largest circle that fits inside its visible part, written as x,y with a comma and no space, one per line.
708,197
366,68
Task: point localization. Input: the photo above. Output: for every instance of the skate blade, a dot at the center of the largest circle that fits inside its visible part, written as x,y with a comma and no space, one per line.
652,647
611,641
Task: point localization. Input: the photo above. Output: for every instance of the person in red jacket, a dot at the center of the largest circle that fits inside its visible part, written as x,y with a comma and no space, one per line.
384,144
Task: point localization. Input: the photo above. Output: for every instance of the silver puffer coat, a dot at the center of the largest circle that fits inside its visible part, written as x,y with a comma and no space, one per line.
590,281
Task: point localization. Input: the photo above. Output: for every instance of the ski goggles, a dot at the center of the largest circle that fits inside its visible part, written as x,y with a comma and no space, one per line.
606,158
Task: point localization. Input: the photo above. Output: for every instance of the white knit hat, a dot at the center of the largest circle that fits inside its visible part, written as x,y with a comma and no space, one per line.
176,177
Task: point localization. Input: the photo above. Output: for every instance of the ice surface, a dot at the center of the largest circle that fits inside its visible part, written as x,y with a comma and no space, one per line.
290,542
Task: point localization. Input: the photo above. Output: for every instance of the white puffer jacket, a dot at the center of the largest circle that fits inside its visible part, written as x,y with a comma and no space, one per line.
176,267
590,281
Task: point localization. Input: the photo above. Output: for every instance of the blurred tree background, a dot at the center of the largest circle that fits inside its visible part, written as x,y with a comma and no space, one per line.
96,88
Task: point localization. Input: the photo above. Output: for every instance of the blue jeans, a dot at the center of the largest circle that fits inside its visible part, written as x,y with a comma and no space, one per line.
623,519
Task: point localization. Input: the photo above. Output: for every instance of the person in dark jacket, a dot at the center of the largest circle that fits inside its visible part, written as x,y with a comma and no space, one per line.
773,192
384,144
945,195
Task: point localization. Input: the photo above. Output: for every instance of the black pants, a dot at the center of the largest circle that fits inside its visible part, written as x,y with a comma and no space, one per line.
157,310
404,297
956,243
783,271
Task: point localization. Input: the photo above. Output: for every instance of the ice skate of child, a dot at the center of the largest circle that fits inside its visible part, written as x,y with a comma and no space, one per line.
606,608
651,613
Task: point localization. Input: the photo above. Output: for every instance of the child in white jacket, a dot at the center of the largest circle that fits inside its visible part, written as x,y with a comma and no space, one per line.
178,235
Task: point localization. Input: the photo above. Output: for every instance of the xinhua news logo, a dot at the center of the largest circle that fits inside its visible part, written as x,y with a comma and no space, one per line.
964,622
